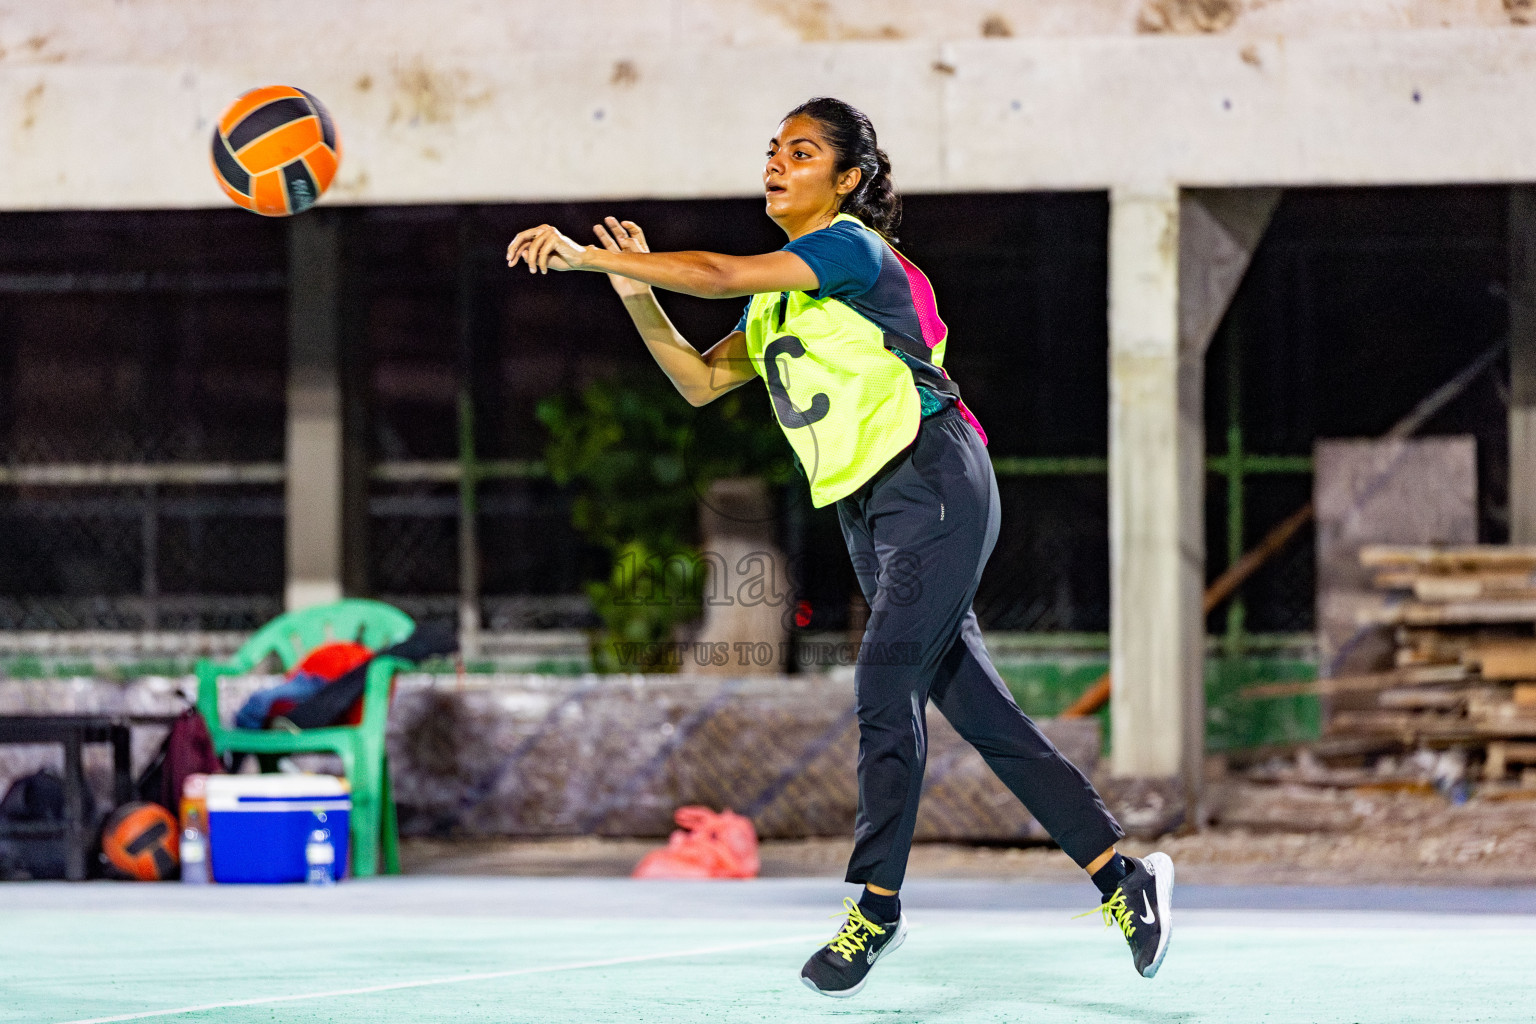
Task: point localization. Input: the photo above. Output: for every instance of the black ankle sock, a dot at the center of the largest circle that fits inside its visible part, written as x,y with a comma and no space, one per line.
884,909
1109,877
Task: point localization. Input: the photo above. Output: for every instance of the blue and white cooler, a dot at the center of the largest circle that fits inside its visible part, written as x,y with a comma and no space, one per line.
259,825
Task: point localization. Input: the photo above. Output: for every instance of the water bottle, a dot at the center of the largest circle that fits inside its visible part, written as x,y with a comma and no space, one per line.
320,855
194,852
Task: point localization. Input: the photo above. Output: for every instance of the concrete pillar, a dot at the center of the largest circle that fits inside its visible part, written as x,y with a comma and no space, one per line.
469,478
747,589
320,504
1175,262
1522,365
1156,489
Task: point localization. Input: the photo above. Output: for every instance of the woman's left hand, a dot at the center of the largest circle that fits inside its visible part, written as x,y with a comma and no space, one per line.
623,236
544,249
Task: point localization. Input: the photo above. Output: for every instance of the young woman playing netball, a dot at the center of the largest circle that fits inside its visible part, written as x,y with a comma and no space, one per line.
845,333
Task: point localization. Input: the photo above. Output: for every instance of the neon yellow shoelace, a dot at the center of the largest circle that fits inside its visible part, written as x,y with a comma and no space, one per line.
855,934
1115,912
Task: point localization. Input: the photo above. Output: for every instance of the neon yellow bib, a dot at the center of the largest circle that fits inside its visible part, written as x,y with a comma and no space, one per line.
846,403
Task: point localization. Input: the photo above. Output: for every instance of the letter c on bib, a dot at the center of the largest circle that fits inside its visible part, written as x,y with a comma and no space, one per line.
791,346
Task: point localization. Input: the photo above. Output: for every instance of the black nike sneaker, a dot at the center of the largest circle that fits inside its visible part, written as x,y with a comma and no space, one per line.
1142,908
841,967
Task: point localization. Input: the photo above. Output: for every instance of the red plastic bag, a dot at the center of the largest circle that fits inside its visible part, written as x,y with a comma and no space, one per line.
708,845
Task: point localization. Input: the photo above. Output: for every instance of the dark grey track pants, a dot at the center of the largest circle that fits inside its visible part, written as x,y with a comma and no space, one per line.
919,533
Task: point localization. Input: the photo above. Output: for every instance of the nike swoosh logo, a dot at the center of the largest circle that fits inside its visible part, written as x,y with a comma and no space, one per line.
1149,917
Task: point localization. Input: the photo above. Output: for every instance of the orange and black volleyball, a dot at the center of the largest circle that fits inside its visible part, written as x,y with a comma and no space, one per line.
141,841
275,150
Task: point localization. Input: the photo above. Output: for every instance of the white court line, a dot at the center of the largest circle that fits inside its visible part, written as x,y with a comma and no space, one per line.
458,980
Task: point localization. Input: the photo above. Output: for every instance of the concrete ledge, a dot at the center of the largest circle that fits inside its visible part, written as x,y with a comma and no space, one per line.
1087,112
534,755
545,756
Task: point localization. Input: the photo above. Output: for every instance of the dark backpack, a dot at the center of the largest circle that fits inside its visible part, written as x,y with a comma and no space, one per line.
33,800
187,750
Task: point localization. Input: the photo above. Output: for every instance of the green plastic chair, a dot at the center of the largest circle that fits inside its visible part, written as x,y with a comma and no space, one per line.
361,748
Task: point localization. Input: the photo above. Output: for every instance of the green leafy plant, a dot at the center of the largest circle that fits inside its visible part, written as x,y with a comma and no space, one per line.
647,594
637,459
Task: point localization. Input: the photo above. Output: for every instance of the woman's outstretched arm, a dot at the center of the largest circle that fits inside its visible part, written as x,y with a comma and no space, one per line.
709,275
698,378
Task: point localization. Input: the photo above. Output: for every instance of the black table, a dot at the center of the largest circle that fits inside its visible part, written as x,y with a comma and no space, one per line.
73,732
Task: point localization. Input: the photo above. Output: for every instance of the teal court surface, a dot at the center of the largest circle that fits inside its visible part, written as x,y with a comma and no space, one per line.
469,950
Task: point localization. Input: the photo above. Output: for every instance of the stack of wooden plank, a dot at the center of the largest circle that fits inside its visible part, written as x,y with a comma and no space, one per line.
1467,586
1464,624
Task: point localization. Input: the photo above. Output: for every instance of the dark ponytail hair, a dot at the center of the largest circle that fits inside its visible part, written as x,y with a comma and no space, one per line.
852,138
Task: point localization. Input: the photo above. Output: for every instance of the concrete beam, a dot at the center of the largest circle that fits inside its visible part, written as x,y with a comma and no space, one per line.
1522,365
1219,229
1080,112
168,31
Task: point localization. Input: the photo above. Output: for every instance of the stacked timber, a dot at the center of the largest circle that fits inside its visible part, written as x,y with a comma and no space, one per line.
1483,585
1464,675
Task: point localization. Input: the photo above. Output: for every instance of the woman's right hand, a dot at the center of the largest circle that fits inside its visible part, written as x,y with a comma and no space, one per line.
623,236
544,249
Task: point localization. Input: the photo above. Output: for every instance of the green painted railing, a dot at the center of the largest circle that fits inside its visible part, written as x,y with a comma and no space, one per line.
1233,721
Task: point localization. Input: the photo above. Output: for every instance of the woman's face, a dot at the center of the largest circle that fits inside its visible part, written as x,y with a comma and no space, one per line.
800,181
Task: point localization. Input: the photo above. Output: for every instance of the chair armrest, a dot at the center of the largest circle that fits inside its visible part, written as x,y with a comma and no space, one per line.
376,690
208,675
